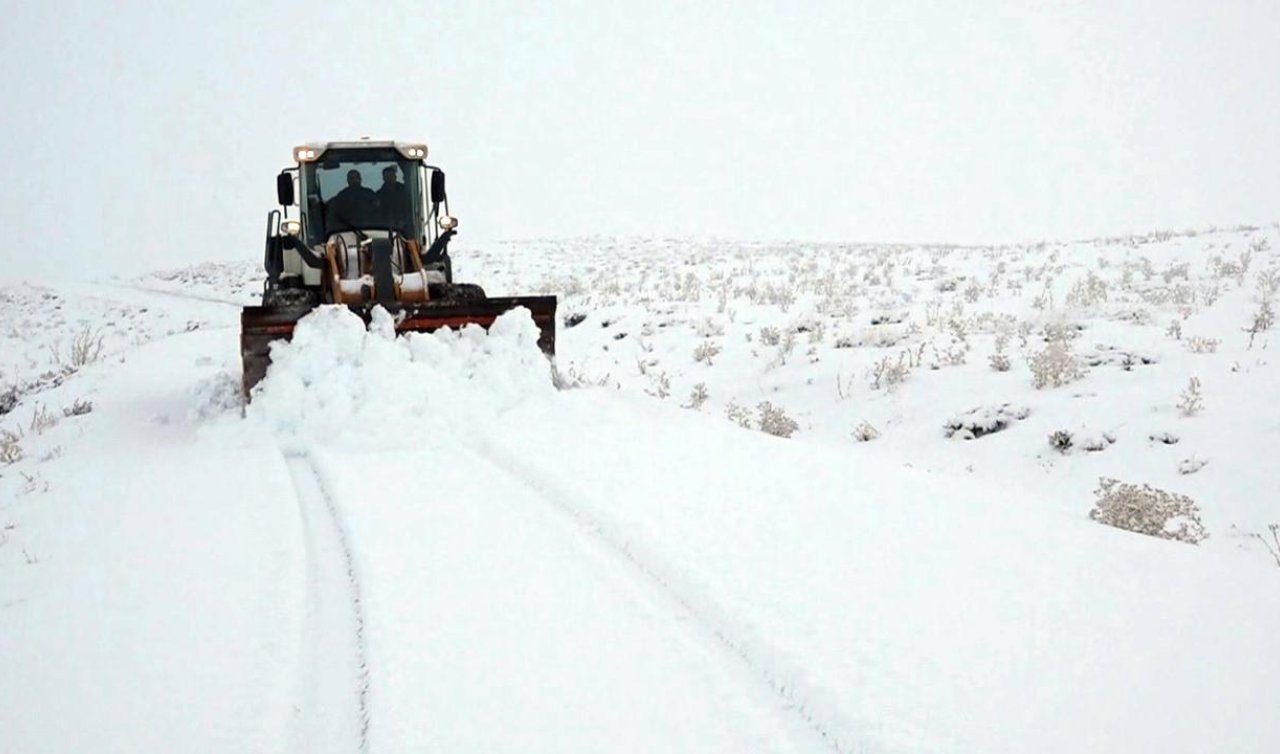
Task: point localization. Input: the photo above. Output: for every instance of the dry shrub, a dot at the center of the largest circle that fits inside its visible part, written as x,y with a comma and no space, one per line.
1088,292
1056,365
706,351
1147,510
1191,402
890,373
865,432
1272,545
774,421
10,450
43,419
698,396
738,415
8,400
79,408
86,347
1263,319
1061,440
1201,344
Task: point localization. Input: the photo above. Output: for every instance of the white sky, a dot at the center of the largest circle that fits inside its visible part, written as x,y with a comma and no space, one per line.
149,134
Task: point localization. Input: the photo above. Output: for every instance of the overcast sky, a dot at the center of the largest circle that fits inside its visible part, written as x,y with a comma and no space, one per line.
138,135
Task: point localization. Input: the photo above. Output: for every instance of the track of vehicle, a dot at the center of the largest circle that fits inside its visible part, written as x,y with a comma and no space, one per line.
332,708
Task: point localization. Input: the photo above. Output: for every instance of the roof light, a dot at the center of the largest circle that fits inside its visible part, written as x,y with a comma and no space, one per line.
413,151
306,153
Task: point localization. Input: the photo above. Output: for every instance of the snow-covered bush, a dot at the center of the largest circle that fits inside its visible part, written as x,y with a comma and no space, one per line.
1147,510
659,384
1191,402
698,396
43,419
1263,319
85,348
890,372
865,432
706,351
79,407
1191,465
1000,360
774,421
1056,365
738,415
1093,442
1201,344
1061,440
10,450
1088,292
955,355
984,420
8,400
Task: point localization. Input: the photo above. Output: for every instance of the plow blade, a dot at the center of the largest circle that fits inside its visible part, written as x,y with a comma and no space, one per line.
260,325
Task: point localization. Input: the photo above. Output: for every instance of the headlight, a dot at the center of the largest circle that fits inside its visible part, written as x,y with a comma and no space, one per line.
448,222
291,227
306,153
413,151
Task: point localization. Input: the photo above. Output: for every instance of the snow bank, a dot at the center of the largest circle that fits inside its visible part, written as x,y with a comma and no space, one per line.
339,377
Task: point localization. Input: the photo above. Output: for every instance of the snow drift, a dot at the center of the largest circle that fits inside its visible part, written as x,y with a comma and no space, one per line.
339,378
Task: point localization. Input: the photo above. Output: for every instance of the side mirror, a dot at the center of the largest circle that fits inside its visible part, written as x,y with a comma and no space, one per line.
437,186
284,189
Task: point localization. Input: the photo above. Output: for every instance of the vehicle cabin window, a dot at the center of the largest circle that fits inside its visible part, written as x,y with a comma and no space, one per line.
362,190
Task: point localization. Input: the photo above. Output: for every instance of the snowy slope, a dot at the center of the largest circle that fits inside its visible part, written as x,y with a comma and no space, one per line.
420,543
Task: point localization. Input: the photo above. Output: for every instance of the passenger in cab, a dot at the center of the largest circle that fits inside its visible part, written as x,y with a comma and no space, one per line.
393,201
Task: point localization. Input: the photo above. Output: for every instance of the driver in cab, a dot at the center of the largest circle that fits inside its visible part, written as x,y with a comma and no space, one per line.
354,206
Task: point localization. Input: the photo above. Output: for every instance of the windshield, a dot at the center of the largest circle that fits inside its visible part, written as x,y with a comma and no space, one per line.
362,189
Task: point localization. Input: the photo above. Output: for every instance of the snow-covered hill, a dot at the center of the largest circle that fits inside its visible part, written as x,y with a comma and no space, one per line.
423,544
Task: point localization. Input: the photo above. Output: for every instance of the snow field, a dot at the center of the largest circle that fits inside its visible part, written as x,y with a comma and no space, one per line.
424,534
148,592
807,328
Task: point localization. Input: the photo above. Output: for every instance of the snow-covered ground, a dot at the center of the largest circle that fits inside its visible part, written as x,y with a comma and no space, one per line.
444,543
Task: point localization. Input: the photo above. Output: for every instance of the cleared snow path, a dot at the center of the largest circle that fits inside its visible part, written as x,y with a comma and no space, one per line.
332,707
690,608
494,626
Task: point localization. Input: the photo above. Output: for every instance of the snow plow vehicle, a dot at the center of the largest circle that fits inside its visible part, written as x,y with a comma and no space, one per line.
361,247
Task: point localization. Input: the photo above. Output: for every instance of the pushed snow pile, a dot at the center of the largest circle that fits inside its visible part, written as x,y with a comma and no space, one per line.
337,378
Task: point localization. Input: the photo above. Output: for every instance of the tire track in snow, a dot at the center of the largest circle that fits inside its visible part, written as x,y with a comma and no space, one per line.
333,675
179,295
802,700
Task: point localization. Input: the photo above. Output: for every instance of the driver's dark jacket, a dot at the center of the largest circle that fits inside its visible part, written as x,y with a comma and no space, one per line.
393,204
354,206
